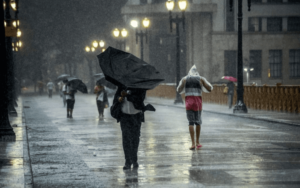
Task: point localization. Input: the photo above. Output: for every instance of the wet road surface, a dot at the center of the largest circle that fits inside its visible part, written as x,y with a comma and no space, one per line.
87,152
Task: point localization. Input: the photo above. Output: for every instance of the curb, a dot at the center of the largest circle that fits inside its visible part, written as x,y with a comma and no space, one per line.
28,178
214,112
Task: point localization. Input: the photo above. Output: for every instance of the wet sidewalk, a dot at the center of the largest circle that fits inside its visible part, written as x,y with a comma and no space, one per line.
270,116
15,171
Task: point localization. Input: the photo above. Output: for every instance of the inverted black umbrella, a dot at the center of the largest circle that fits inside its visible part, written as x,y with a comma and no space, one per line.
62,77
77,84
122,68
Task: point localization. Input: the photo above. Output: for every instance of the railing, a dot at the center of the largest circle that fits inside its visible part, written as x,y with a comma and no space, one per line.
271,98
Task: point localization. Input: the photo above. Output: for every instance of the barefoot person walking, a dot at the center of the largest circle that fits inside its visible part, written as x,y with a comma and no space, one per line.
192,85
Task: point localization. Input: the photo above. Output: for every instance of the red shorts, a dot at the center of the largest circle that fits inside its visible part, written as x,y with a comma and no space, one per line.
193,103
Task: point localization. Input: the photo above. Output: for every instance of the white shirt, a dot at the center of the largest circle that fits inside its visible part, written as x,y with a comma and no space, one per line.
128,108
101,96
50,85
67,89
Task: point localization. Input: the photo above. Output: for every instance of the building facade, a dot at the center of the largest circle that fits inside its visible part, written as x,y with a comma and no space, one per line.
271,39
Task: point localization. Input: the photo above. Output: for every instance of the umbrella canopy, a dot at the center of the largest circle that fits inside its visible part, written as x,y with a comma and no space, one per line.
122,68
103,81
62,77
77,84
230,78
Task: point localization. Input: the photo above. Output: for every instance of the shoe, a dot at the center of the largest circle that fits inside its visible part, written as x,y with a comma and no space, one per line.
192,148
199,146
68,116
135,165
126,166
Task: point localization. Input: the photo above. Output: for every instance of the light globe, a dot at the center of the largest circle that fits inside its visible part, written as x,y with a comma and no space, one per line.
87,49
134,23
13,5
170,5
101,43
124,33
116,32
182,5
146,22
95,44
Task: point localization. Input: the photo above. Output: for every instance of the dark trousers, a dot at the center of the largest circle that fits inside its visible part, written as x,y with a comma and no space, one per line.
50,93
230,99
100,106
131,131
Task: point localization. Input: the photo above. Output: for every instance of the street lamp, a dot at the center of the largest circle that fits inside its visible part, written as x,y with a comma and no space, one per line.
240,106
247,73
141,34
116,33
170,4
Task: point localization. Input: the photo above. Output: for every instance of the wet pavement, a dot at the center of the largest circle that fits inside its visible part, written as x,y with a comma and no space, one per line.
87,152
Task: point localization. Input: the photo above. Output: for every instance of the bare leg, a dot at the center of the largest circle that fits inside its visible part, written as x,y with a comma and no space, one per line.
198,129
192,133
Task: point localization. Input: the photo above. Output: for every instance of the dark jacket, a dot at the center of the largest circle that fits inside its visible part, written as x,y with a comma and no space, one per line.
230,86
136,96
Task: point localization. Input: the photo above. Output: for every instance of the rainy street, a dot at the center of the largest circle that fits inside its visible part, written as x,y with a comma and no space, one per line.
87,152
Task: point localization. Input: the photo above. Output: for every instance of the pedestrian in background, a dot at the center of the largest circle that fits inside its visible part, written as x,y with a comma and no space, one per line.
230,93
40,87
50,88
101,99
63,84
69,92
192,85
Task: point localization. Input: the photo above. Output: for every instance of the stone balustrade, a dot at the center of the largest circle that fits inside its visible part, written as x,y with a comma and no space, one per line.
271,98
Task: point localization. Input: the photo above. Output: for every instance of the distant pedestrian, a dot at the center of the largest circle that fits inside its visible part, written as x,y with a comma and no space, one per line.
69,92
192,85
50,88
101,99
230,93
62,92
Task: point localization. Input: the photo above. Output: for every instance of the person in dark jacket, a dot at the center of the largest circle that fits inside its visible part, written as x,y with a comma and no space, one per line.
230,93
131,115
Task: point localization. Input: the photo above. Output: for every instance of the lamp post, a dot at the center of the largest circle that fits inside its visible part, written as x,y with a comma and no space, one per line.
120,43
170,4
6,131
240,106
141,34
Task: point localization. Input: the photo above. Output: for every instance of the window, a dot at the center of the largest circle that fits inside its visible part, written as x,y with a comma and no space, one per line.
275,63
229,18
294,1
293,24
294,63
255,63
274,24
230,63
274,1
254,24
142,2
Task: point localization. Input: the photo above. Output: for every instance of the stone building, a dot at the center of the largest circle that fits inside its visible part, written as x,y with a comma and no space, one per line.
271,39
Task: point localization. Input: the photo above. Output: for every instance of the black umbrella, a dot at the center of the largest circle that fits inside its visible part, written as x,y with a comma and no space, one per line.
122,68
62,77
77,84
102,81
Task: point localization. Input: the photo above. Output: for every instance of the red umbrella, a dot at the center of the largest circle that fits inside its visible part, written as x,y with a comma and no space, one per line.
230,78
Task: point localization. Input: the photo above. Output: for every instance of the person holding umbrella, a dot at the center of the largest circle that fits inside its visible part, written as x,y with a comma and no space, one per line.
101,99
230,86
192,85
69,92
133,77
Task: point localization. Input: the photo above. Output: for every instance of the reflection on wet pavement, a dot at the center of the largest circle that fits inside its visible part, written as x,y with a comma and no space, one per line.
87,152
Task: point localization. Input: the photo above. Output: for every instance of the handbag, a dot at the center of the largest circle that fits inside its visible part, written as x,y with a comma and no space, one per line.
225,91
116,110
